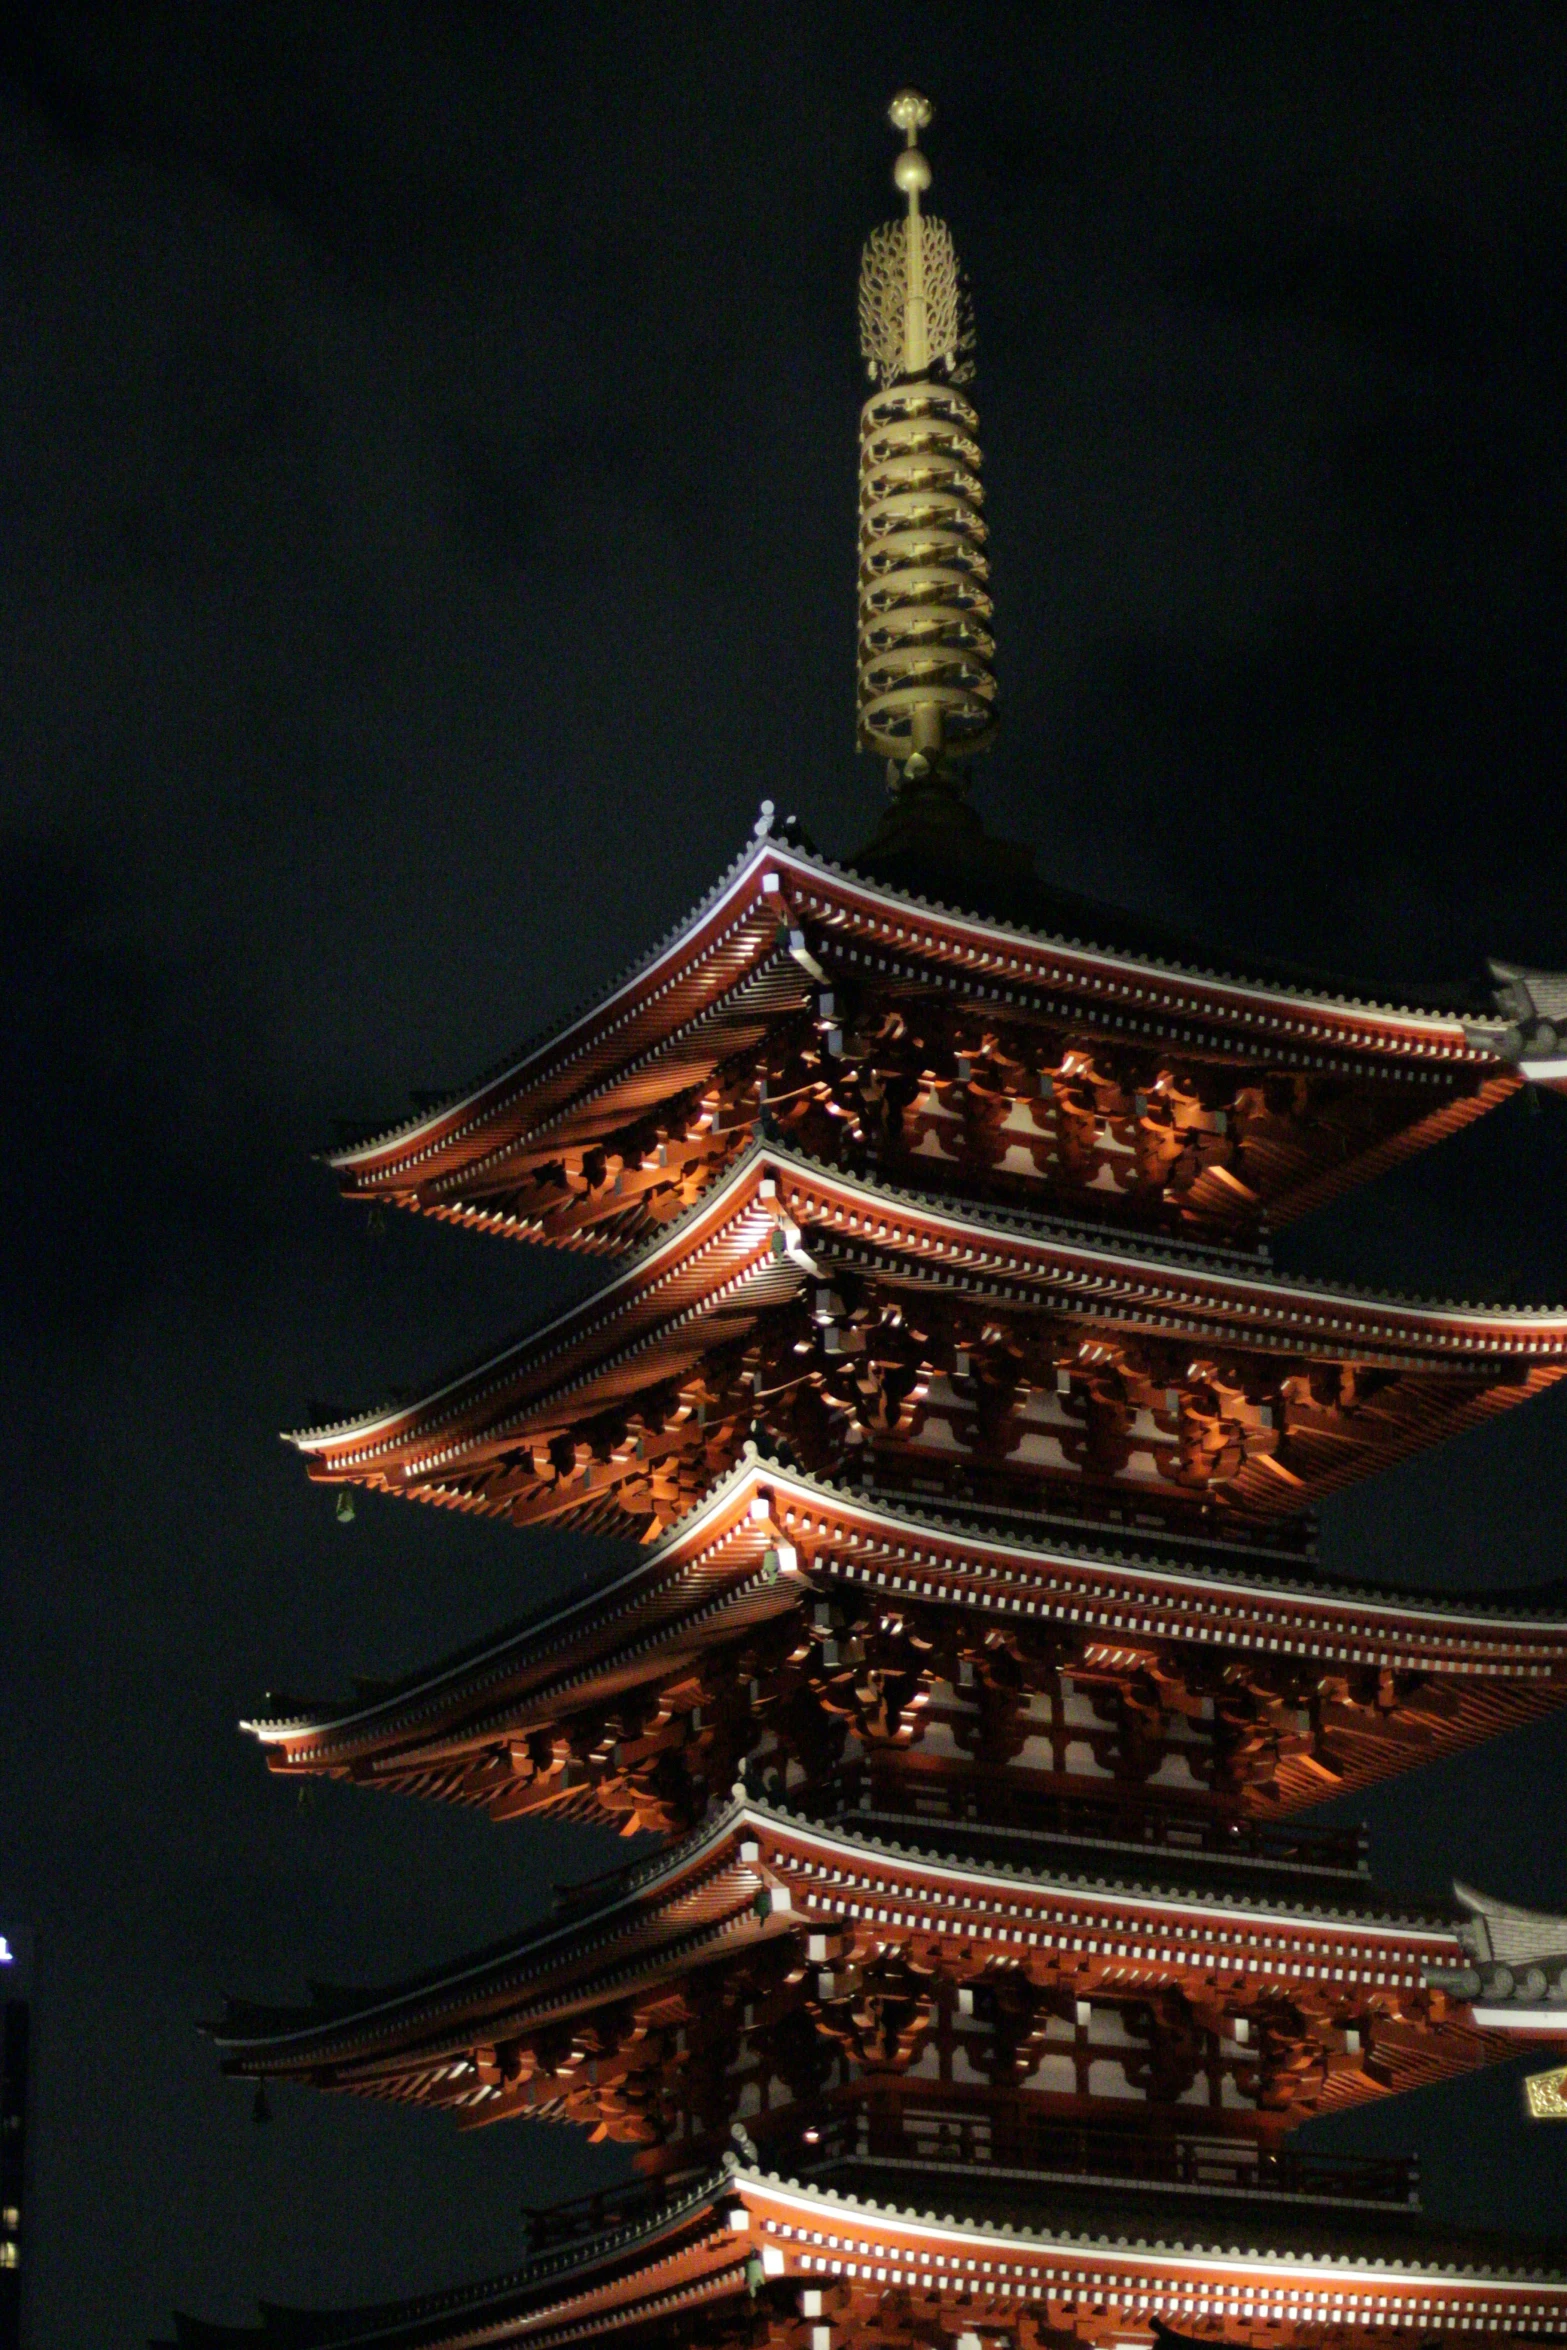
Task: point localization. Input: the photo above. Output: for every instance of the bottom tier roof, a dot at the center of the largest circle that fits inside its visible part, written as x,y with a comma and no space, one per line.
744,2256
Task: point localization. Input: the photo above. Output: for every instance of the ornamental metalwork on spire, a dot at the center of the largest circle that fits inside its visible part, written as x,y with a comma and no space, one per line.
927,691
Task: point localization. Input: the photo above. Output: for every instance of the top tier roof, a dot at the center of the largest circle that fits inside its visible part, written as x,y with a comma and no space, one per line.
1163,1090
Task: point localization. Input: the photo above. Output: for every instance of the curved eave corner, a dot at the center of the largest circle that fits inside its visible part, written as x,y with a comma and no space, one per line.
1514,1037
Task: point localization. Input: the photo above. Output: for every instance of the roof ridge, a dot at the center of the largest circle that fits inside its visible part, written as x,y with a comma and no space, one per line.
1322,993
1013,1872
577,1011
1119,1242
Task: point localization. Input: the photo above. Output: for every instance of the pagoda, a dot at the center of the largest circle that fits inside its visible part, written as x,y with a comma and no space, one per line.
969,1672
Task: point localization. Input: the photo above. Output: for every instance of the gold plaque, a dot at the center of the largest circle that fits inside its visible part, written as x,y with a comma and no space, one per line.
1545,2095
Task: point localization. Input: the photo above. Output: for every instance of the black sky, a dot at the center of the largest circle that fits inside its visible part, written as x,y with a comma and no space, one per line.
426,527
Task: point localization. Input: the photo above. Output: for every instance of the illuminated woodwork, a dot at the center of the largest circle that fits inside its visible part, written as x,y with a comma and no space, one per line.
946,1350
945,1668
1004,1062
853,2002
968,1656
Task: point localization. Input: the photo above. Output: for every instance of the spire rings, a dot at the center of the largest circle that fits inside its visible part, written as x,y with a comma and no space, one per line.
925,645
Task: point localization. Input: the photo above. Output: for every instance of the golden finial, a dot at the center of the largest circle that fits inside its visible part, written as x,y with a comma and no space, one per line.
913,309
926,693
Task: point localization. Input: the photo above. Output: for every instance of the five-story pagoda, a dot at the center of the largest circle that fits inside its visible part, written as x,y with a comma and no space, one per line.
969,1660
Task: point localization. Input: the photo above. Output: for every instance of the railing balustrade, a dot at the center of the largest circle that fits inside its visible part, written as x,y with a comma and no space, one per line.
1012,2137
938,1801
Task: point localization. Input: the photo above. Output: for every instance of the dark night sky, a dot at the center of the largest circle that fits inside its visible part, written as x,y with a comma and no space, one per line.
426,463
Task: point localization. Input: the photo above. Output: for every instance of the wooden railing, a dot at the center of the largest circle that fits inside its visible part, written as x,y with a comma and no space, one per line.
1011,2136
552,2225
936,1799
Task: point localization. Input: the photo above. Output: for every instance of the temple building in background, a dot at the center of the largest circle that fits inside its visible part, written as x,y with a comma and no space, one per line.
969,1660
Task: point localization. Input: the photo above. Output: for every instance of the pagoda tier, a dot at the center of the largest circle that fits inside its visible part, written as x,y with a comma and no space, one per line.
947,1349
744,2257
842,1999
956,1667
1010,1059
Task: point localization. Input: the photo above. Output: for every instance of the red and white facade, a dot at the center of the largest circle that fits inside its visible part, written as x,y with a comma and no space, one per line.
970,1657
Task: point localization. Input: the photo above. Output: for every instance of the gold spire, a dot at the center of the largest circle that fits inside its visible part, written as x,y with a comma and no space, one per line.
926,692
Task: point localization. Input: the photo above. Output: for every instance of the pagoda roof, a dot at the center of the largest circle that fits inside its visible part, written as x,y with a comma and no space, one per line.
755,1872
737,2231
747,1553
608,2280
779,1220
781,919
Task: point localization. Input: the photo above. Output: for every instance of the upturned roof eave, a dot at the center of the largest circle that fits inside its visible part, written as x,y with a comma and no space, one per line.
1233,1274
469,2305
509,1653
534,1631
552,1049
1245,2241
563,1936
635,1271
657,1882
